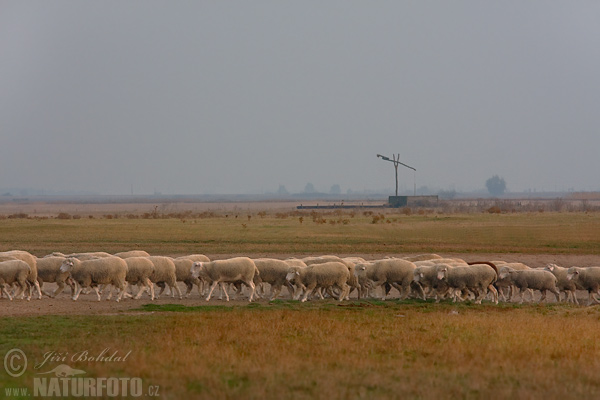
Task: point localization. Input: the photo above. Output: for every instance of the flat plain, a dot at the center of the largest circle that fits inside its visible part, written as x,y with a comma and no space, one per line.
321,349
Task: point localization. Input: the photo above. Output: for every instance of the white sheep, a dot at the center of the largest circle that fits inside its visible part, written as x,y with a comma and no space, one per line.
476,278
505,284
226,271
165,272
350,264
100,271
89,255
425,275
320,259
422,257
563,283
535,279
49,272
183,266
396,272
327,275
139,272
586,279
14,272
31,260
273,272
132,253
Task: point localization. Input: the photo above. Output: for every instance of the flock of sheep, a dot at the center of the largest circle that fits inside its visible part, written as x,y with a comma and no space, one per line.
23,275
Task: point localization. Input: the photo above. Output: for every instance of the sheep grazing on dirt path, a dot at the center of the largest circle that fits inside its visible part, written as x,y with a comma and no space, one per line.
273,272
326,276
535,279
14,272
396,272
476,278
49,272
165,272
586,279
31,260
100,271
132,253
563,283
232,270
139,272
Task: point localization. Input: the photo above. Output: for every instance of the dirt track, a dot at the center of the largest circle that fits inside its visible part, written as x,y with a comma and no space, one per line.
87,304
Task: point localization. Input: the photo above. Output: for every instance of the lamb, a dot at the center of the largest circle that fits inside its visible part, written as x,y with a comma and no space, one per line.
14,272
394,271
139,272
586,279
31,260
226,271
324,275
100,271
563,283
165,272
273,272
49,271
477,278
132,253
535,279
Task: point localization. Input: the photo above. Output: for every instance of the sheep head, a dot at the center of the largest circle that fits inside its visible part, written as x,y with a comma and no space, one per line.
67,265
196,269
442,272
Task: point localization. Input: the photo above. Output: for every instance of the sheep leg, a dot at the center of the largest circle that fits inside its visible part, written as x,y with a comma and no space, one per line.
190,287
176,288
309,290
492,289
6,292
121,290
543,292
21,289
572,296
59,289
252,287
77,292
212,287
556,294
591,298
110,290
275,291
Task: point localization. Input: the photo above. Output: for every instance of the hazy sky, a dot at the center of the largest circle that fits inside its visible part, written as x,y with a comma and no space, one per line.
194,97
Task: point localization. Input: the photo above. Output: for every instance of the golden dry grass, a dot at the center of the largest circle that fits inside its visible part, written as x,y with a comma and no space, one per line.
559,233
323,350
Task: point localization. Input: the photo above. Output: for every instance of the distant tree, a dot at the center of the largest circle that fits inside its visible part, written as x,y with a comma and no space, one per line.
335,189
309,188
496,185
282,191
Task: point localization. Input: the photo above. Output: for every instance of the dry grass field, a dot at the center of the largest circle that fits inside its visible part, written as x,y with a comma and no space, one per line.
320,349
